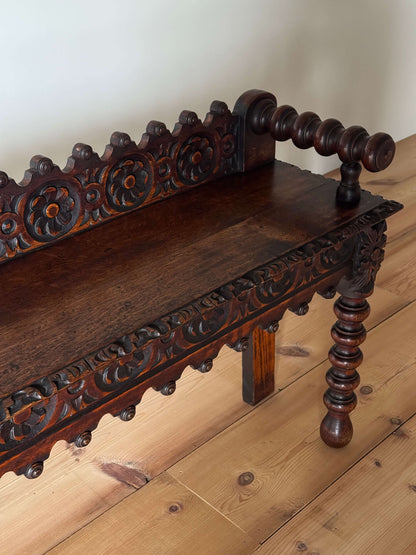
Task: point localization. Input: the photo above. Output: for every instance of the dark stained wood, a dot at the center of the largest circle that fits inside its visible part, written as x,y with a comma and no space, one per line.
216,233
51,204
93,320
353,145
258,365
348,333
342,378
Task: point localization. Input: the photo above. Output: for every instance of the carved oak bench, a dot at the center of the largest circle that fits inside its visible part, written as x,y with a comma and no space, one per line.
91,320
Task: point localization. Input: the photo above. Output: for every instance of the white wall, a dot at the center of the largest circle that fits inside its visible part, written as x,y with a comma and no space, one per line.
78,70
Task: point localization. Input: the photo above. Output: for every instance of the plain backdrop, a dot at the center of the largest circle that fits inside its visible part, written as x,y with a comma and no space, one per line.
76,71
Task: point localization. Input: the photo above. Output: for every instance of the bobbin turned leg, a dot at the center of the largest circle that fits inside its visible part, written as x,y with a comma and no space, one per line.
342,378
258,365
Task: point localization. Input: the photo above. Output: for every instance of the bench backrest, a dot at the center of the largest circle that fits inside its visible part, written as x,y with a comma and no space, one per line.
51,204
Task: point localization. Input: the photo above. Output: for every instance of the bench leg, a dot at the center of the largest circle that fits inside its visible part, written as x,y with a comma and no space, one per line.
258,366
342,378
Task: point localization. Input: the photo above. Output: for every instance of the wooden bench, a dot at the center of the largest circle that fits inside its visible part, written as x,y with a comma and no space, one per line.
91,320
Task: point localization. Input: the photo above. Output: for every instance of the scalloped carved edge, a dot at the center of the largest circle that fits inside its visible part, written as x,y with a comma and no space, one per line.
51,204
75,428
151,356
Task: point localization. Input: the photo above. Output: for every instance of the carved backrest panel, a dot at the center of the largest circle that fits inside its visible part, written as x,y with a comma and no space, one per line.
51,204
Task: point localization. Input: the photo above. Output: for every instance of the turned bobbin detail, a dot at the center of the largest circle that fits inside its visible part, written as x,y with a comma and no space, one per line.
352,144
342,378
348,333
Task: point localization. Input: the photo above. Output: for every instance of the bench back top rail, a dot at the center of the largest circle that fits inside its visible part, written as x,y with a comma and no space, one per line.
51,204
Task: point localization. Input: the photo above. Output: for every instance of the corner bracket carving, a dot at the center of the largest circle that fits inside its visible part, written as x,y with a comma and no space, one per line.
367,258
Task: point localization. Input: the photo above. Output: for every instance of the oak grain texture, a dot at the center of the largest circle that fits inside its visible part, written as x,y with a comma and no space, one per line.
258,366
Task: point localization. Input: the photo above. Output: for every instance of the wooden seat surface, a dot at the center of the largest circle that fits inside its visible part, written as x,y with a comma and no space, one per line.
67,300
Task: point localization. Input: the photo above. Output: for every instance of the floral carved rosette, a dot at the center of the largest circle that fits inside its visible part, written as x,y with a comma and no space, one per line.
368,256
52,211
197,159
129,183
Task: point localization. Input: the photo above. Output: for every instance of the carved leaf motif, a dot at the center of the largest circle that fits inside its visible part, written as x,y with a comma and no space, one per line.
27,423
117,372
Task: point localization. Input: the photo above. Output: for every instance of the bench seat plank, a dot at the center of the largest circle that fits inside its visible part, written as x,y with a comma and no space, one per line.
84,292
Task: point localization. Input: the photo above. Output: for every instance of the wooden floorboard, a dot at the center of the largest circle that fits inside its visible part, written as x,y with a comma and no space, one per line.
164,511
369,510
194,446
398,273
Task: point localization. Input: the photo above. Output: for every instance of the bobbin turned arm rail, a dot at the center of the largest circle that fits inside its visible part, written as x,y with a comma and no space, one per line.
353,145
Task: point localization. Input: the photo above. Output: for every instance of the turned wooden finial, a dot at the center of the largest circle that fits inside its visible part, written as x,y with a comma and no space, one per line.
353,144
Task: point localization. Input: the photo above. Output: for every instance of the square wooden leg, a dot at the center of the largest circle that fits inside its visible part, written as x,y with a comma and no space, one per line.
258,366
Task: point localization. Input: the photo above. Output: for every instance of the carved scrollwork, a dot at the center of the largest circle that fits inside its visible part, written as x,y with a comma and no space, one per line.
117,371
11,226
27,423
200,328
92,196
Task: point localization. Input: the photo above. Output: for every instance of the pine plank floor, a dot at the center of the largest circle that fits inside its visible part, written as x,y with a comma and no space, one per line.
202,473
